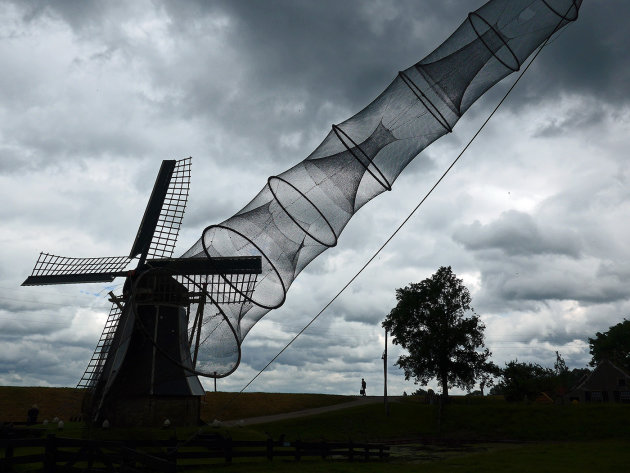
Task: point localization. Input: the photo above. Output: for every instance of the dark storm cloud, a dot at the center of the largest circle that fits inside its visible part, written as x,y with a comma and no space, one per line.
578,118
587,58
594,60
284,43
516,233
277,90
546,282
77,14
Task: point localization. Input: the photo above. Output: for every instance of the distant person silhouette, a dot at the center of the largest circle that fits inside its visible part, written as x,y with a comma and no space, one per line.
363,386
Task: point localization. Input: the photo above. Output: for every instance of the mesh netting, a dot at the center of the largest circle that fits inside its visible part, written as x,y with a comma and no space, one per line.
301,212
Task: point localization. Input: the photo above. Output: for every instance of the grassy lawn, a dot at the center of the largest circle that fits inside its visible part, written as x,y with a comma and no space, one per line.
227,406
471,436
595,456
477,420
570,457
549,457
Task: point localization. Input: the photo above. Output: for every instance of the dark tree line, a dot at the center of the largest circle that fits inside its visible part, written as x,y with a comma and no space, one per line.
520,381
525,381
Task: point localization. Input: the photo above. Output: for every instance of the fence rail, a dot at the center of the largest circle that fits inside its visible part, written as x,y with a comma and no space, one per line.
57,454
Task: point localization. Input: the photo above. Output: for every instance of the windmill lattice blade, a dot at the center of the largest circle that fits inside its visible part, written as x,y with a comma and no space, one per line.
172,212
151,215
52,269
95,367
224,289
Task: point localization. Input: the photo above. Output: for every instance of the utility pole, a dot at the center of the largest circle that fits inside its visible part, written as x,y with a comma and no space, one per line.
385,376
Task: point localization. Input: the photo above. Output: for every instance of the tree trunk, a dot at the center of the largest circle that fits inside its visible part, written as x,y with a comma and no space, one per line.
444,382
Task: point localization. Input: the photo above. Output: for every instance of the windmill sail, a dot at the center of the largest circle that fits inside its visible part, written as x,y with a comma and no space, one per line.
153,211
172,212
95,367
52,269
156,237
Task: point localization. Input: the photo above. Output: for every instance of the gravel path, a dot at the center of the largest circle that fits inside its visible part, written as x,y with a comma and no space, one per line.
360,401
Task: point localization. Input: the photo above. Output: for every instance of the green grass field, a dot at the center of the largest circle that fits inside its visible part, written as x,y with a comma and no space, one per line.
572,457
475,434
468,419
229,406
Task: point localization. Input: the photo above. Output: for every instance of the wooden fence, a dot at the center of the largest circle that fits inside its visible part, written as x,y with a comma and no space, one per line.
58,454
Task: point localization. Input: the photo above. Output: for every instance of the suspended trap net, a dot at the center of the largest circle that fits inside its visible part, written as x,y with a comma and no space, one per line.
301,212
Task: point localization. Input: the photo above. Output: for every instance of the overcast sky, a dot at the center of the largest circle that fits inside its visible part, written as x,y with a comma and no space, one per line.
94,95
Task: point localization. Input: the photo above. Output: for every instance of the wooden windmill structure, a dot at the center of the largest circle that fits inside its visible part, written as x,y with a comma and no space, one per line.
143,368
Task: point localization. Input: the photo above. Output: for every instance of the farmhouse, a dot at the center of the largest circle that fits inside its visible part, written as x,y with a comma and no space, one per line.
607,383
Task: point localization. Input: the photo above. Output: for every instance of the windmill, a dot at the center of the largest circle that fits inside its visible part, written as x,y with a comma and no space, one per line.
143,369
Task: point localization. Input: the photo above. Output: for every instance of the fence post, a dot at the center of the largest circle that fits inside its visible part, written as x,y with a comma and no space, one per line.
172,452
298,445
270,449
7,464
129,458
50,455
227,449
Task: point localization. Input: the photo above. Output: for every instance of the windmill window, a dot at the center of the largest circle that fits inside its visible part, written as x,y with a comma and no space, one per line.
624,396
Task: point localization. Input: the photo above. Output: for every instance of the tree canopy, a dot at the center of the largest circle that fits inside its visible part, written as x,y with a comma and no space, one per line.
522,381
613,345
434,322
525,381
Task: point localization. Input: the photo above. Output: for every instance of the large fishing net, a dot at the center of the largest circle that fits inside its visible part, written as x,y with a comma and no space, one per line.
301,212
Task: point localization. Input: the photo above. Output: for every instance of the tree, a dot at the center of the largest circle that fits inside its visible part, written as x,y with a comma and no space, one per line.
613,345
563,379
560,366
522,381
489,371
434,322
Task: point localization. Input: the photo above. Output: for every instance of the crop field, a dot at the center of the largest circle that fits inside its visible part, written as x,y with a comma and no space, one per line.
65,403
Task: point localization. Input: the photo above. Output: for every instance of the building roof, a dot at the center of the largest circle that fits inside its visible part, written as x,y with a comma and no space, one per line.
604,365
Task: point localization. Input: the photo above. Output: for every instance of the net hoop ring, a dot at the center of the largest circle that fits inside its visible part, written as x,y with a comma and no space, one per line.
332,231
424,100
565,17
386,185
145,332
472,15
232,329
262,253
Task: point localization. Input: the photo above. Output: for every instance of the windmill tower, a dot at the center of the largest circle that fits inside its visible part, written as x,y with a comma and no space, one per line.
143,369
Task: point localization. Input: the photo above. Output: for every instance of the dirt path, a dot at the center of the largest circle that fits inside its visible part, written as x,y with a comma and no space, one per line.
360,401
